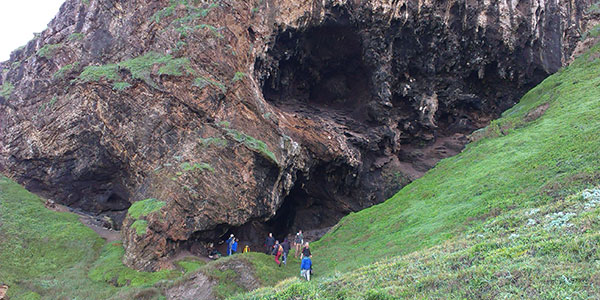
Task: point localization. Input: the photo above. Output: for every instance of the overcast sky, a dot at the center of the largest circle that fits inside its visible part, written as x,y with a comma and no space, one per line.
19,19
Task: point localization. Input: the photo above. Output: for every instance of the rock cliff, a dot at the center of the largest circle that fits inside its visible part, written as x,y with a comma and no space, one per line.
249,116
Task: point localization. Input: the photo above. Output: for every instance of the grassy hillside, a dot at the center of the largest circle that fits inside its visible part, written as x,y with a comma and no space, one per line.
505,218
51,255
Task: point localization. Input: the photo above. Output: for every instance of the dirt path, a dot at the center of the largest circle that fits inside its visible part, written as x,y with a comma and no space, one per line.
108,234
88,220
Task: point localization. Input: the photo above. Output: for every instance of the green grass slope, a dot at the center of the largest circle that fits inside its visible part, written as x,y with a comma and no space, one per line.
505,218
51,255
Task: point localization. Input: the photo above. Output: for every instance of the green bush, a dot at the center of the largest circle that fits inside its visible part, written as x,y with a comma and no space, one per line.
140,68
49,50
96,73
64,70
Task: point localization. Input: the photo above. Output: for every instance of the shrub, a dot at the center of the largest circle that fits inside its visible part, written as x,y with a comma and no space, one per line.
64,70
96,73
141,66
48,50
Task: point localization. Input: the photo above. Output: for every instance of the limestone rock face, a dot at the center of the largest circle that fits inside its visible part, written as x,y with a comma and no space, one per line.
248,116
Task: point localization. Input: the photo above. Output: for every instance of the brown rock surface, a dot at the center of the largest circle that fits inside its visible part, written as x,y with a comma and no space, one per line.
266,115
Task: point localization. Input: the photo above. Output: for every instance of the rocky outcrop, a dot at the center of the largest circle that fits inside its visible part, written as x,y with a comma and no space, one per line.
247,116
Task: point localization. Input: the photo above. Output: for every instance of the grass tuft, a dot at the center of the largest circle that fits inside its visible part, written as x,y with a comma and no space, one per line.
121,86
251,143
145,207
140,227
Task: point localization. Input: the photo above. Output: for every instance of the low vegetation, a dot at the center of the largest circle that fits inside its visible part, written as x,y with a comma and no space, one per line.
96,73
203,82
121,85
109,268
144,207
49,50
6,90
140,67
76,36
251,143
65,70
187,166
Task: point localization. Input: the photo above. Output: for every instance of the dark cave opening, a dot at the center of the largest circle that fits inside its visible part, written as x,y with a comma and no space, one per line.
320,69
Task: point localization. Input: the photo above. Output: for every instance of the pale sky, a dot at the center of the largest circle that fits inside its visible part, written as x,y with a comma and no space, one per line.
19,19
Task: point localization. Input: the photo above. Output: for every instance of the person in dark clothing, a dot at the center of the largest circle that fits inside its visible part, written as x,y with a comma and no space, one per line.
306,251
212,252
298,242
269,243
286,249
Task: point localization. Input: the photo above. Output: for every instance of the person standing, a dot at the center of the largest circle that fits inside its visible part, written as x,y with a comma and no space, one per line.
298,241
278,250
269,242
234,246
286,249
305,268
306,251
229,242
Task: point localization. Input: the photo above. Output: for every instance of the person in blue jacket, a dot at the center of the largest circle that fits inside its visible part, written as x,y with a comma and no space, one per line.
305,267
229,243
234,246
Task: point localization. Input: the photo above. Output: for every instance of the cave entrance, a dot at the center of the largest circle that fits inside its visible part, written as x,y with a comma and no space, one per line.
318,73
316,202
317,70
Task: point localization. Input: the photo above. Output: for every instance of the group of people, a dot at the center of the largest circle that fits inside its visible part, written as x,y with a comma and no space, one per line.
281,251
232,245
